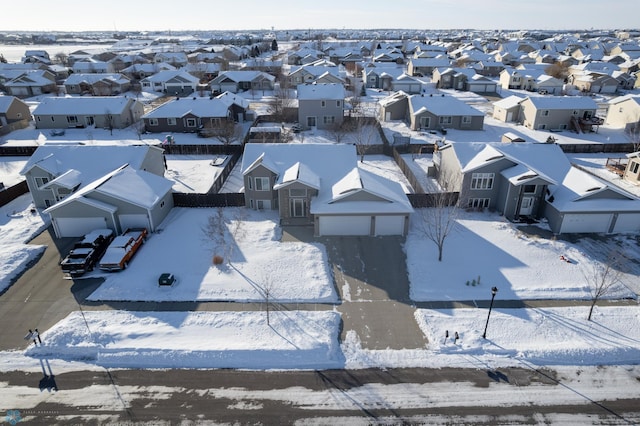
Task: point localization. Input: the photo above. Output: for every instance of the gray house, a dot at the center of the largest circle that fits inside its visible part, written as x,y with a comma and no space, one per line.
196,114
125,198
320,105
525,182
431,112
55,171
116,112
89,187
320,185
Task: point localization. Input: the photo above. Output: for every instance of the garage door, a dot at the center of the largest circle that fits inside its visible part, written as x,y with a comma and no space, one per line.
77,226
584,222
627,222
389,225
345,225
133,221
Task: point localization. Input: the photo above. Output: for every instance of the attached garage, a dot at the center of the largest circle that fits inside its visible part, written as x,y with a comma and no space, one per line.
345,225
627,222
77,226
133,221
586,222
389,225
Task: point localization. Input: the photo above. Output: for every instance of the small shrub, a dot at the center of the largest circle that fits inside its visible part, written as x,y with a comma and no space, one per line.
467,282
217,260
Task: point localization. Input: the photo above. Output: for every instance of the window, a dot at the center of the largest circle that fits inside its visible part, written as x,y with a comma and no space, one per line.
40,181
171,121
634,167
482,180
297,207
478,203
19,115
153,122
297,192
444,120
72,119
466,119
516,79
338,104
216,122
529,189
262,184
323,104
575,112
162,204
329,119
425,122
190,122
542,126
544,113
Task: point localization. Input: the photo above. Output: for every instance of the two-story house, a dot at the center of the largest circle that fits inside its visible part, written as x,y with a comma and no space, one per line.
320,105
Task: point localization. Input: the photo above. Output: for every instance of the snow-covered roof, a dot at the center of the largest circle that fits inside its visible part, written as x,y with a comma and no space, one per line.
563,102
200,107
90,161
5,102
94,105
333,170
508,102
319,91
92,78
441,105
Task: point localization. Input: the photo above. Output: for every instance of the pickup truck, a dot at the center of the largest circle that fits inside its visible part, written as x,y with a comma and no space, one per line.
122,249
86,253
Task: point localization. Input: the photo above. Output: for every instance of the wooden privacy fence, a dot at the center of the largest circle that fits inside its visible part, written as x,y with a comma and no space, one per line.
11,193
208,200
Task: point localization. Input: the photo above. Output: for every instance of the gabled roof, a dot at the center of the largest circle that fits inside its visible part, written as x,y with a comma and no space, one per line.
333,168
94,105
91,161
92,78
563,102
166,75
320,91
441,105
299,173
199,107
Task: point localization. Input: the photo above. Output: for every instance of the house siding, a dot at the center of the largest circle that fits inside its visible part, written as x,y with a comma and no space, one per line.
253,195
314,108
284,210
77,209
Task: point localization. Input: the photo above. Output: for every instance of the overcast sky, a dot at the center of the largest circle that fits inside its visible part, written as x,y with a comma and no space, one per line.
121,15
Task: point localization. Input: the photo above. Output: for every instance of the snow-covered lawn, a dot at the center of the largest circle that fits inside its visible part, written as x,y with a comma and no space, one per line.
485,248
17,226
291,339
291,271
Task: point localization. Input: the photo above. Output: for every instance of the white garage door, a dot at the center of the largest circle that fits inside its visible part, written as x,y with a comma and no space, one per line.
389,225
345,225
133,221
627,222
584,222
77,226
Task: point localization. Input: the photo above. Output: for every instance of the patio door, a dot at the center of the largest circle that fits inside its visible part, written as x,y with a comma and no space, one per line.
311,122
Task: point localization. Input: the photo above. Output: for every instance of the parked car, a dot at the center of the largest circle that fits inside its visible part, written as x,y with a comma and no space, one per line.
86,253
122,249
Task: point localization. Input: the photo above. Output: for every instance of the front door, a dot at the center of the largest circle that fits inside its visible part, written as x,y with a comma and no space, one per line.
526,207
89,121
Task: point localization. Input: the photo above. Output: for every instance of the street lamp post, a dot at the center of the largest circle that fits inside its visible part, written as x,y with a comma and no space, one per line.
494,290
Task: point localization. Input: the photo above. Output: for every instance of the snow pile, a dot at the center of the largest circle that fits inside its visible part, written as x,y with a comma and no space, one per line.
17,226
291,340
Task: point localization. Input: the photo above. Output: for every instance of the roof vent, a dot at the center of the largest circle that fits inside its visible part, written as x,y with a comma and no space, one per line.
442,95
194,98
430,95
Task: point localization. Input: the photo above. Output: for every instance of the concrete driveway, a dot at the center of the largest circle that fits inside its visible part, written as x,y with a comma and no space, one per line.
371,278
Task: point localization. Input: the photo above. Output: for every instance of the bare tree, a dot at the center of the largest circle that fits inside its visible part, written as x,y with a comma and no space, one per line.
62,58
558,70
363,136
439,218
228,132
110,121
267,288
215,230
633,133
603,277
339,131
277,105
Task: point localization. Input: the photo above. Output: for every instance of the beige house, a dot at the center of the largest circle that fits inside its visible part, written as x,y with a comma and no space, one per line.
558,112
624,111
632,171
